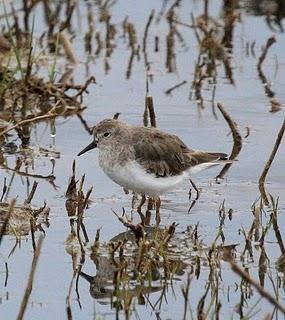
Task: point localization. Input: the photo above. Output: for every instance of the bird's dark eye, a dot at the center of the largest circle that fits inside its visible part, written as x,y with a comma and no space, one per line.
106,134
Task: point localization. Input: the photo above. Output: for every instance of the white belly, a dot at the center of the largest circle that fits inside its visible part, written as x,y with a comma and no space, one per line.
133,177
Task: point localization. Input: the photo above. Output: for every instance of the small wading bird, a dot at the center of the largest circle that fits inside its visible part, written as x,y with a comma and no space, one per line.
146,160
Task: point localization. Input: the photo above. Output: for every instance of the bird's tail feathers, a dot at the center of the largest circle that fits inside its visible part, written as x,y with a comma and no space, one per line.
205,160
207,165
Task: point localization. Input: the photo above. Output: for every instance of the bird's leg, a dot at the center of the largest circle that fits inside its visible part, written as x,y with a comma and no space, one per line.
134,198
139,208
143,199
157,204
150,204
157,211
148,211
147,218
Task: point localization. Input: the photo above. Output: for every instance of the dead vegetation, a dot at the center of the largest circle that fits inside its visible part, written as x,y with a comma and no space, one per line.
20,219
135,264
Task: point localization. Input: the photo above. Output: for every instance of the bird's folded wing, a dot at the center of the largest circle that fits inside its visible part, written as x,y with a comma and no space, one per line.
199,157
166,155
161,154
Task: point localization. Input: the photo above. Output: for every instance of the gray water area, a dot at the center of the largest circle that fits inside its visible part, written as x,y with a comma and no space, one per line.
248,106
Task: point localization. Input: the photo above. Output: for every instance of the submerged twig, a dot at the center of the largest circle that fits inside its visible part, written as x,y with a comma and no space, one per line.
48,115
269,43
180,84
245,276
268,164
30,280
7,218
49,178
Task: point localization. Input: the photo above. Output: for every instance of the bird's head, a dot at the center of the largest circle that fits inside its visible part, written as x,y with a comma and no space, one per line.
104,133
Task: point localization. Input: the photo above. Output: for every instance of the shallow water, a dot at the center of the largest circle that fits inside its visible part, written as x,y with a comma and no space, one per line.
247,104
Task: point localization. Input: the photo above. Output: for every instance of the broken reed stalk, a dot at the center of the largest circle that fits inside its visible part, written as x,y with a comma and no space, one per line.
4,190
213,101
149,105
30,280
170,62
237,141
32,193
7,218
33,234
150,18
269,43
268,164
145,114
180,84
265,294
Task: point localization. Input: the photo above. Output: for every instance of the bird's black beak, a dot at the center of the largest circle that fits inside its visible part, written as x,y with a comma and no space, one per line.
90,146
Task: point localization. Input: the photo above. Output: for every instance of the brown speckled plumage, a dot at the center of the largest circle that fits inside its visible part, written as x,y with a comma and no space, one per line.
158,152
146,160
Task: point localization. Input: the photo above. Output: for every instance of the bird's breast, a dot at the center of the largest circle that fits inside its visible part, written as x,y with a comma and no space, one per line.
112,157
